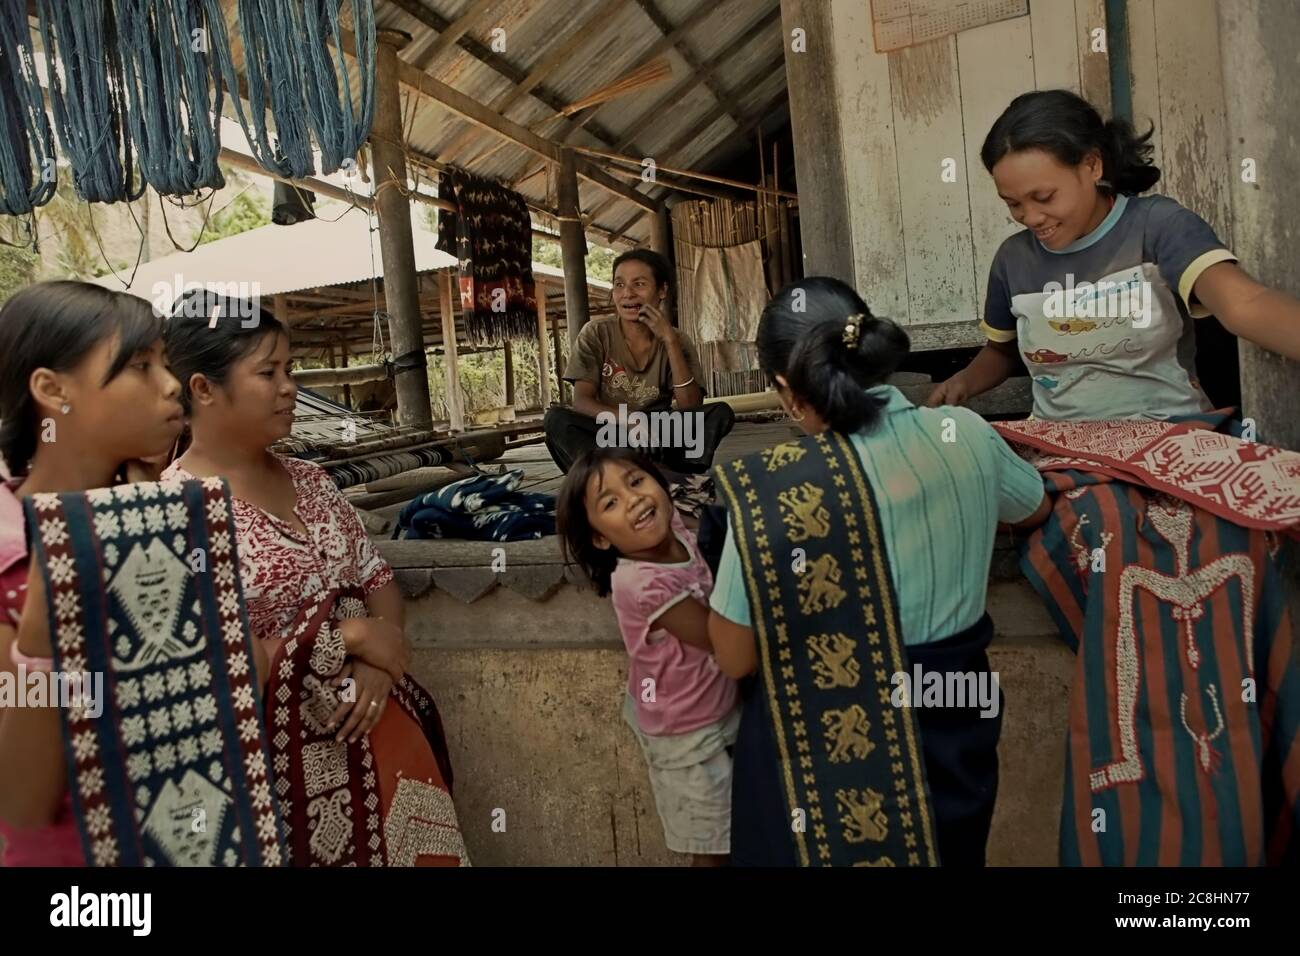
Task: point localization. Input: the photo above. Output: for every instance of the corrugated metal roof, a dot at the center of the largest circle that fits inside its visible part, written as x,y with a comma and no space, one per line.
274,259
616,41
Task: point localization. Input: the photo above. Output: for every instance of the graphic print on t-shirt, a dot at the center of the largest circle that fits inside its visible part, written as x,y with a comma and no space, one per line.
634,390
1102,345
1103,326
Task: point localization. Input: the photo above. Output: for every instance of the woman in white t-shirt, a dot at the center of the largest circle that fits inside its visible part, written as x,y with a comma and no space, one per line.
1157,561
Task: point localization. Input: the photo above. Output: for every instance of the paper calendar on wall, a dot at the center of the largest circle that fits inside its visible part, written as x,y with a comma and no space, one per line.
902,23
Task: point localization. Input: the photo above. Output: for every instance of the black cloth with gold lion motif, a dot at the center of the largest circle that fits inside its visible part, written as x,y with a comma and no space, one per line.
850,765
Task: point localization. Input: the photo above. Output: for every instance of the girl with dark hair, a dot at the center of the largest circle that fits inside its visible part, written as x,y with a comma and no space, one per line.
321,600
855,554
85,400
618,524
1097,295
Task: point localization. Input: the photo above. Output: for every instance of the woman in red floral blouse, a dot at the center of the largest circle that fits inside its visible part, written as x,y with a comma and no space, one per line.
322,601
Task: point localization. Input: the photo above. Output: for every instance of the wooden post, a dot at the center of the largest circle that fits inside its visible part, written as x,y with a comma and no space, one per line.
280,307
559,358
510,375
396,246
455,407
543,353
661,233
573,246
347,389
818,140
1257,44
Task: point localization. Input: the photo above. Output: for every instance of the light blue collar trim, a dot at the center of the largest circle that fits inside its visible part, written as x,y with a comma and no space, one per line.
895,400
1094,237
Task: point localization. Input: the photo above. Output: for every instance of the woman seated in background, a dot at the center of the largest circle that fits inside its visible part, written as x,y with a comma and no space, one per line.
85,399
856,560
324,603
637,360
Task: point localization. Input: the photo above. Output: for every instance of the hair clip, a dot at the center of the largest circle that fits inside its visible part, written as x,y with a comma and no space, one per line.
852,328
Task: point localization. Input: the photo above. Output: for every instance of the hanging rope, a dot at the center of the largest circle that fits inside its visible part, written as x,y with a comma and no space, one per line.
174,93
27,168
85,85
290,73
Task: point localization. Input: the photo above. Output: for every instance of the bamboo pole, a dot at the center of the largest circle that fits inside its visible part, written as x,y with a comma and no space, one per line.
396,245
510,374
455,407
573,247
356,375
688,173
543,353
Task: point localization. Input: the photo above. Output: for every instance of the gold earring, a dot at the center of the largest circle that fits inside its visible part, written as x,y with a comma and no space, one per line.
800,418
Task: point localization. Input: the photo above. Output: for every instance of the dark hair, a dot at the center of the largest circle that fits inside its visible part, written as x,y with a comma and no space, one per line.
801,336
55,325
571,521
1067,126
196,345
657,263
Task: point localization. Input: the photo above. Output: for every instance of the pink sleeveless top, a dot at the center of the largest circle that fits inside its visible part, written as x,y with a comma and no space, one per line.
56,844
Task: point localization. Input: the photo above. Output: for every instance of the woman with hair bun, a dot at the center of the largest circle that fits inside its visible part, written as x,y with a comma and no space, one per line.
1158,560
856,561
1098,291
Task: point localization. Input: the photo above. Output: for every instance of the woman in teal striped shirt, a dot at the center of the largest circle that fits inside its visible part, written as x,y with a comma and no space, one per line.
941,481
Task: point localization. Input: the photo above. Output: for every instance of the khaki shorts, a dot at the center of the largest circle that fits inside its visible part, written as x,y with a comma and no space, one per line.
690,775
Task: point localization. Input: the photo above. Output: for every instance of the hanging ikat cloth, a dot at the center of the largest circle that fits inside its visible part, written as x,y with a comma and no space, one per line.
491,234
167,756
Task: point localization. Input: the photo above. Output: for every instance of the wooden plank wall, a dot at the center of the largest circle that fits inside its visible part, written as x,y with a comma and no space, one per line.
922,246
1178,86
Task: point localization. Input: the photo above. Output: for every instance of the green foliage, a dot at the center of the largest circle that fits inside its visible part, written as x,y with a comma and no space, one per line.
482,379
599,259
248,210
17,269
67,228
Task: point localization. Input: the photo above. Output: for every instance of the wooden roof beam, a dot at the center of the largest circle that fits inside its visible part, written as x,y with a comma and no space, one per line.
479,114
712,116
702,69
743,130
561,53
571,124
495,62
764,23
451,35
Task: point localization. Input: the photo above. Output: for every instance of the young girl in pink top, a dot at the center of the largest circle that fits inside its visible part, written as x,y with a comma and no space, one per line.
618,524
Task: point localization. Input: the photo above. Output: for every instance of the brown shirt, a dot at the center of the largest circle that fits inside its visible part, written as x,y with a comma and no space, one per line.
601,356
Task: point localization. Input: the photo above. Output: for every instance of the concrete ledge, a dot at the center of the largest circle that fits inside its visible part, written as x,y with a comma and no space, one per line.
531,696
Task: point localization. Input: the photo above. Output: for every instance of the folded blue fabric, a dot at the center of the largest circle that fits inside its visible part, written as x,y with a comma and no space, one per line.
479,508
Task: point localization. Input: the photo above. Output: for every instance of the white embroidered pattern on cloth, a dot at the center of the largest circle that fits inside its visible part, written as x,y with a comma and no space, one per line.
326,776
169,718
1247,481
1186,590
422,822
